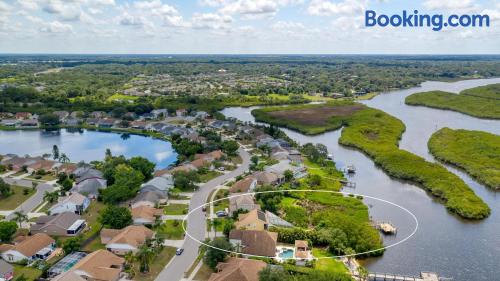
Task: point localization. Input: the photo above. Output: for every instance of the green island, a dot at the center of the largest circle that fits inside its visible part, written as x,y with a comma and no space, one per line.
377,134
474,151
482,102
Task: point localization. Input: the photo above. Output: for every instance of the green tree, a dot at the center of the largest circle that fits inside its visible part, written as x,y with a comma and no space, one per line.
7,229
186,180
230,147
49,119
5,189
145,257
143,165
268,201
51,197
274,274
55,152
72,244
115,217
19,217
214,255
126,184
67,184
255,160
288,175
64,158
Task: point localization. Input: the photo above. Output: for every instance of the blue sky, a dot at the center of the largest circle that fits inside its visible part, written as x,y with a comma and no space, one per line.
237,27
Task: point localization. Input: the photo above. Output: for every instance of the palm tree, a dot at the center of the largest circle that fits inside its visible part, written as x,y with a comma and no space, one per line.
64,158
349,252
55,152
20,217
145,256
51,197
129,258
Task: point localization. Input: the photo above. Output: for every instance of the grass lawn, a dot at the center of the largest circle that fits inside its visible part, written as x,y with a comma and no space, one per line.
328,264
178,197
94,245
209,176
48,177
18,174
121,97
176,209
171,230
91,216
204,273
29,272
157,266
15,199
223,204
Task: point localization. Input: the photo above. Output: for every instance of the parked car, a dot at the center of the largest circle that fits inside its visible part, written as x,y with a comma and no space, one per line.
179,251
221,214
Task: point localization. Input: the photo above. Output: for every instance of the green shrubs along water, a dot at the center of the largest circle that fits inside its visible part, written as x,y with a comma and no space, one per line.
478,153
377,134
482,102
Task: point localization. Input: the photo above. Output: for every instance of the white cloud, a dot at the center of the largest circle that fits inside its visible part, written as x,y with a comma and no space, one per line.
449,4
5,8
56,27
251,7
211,21
329,8
287,25
132,20
28,4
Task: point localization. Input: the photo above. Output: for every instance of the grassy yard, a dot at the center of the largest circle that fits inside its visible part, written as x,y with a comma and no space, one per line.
203,274
171,230
157,266
16,198
223,204
176,209
209,176
327,264
29,272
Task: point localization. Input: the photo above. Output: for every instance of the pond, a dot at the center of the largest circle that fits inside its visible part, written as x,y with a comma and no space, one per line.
444,243
85,145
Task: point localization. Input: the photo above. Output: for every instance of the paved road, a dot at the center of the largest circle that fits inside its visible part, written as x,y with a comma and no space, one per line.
35,200
197,224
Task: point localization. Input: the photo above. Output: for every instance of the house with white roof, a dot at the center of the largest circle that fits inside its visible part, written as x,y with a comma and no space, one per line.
75,203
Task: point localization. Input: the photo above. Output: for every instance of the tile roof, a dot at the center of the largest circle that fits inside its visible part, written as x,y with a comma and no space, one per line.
100,265
32,244
237,269
242,185
146,212
63,220
134,235
255,242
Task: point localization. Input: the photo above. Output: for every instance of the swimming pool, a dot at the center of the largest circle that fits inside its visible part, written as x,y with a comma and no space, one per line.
286,254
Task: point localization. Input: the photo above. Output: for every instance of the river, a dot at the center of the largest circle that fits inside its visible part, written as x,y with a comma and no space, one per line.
85,145
444,243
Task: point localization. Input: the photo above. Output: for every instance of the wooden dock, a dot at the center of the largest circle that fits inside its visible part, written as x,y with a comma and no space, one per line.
424,276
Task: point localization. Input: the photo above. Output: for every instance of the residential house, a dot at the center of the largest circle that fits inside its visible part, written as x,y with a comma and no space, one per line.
149,197
106,123
62,224
254,242
97,114
302,252
92,121
211,156
38,246
75,203
267,178
145,215
29,123
222,124
244,185
243,202
6,271
139,125
253,220
147,116
280,168
202,115
23,115
159,113
9,122
163,183
156,127
278,153
181,112
88,181
42,164
65,264
100,265
128,239
62,115
238,269
67,168
74,122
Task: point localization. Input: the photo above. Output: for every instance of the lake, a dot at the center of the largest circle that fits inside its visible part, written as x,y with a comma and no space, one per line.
444,243
85,145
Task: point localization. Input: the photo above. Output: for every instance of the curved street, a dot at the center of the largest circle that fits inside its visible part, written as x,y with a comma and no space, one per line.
196,224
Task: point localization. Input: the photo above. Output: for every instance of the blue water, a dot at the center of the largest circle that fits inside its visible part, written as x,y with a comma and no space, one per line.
286,254
84,145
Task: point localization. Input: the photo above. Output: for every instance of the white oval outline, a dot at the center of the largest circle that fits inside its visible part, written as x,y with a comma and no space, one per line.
304,190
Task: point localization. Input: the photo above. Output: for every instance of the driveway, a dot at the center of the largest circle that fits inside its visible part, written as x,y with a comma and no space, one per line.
197,224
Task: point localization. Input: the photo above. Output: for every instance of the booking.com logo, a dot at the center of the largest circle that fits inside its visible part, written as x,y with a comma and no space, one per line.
437,21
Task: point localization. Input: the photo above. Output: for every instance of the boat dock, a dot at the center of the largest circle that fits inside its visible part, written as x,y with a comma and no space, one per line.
424,276
346,183
350,169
